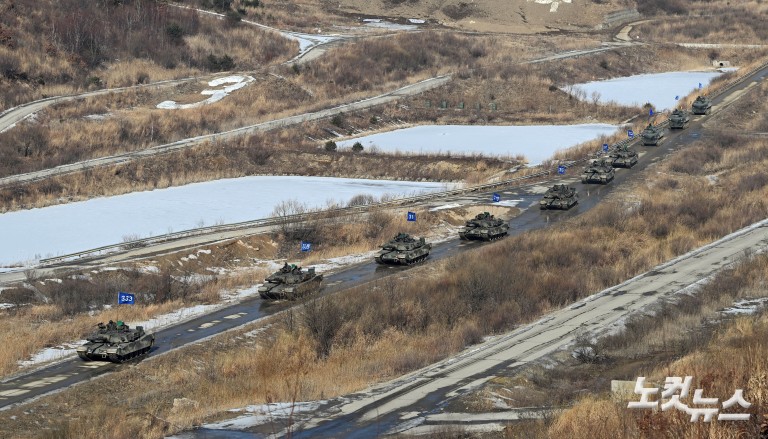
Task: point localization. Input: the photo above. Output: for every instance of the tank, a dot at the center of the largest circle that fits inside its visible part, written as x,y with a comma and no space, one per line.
116,342
622,157
290,282
559,196
652,134
679,119
484,227
598,171
701,105
403,250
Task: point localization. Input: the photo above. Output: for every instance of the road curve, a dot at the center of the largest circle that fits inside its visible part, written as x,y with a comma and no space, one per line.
12,116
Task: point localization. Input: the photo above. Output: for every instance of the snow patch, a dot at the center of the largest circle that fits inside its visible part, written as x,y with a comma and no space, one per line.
98,117
263,414
553,4
746,306
447,206
216,95
52,354
383,24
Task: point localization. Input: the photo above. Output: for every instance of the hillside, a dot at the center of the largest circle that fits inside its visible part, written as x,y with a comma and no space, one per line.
523,16
56,47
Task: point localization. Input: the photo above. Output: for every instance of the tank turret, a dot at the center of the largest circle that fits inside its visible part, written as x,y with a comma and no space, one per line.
702,105
116,342
652,134
290,282
403,250
484,227
559,196
679,119
598,171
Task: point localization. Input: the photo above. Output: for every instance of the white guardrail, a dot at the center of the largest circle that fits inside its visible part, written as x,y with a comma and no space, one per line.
353,210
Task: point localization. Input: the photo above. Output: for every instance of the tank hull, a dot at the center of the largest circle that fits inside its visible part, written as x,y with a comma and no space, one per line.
651,140
678,124
701,109
598,177
623,162
562,204
282,291
484,233
407,257
116,352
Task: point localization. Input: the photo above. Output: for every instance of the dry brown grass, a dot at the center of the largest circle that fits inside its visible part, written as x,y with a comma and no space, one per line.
708,22
735,359
63,47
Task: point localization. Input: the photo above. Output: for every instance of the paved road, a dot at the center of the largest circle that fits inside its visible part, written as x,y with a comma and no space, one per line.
14,115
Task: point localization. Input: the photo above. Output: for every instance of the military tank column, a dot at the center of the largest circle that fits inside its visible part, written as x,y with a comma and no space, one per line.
702,105
290,282
484,227
116,342
403,250
598,171
560,197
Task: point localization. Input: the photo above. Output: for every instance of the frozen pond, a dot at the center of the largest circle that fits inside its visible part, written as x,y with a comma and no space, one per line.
536,142
658,89
69,228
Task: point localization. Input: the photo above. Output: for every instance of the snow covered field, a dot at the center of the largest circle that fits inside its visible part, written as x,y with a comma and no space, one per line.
659,89
73,227
536,142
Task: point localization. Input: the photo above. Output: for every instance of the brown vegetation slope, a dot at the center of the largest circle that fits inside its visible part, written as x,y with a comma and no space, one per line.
53,47
714,22
737,358
521,16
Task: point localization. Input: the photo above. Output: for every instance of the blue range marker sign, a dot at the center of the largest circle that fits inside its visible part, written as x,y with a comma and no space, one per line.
496,198
125,298
605,147
630,134
411,216
306,246
561,169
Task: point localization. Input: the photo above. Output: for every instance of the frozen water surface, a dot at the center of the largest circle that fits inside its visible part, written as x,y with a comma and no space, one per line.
658,89
536,142
69,228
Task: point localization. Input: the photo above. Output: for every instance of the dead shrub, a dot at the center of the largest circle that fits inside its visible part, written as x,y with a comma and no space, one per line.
695,159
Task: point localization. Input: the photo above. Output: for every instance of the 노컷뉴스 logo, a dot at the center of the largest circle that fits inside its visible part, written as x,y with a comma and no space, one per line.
676,388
